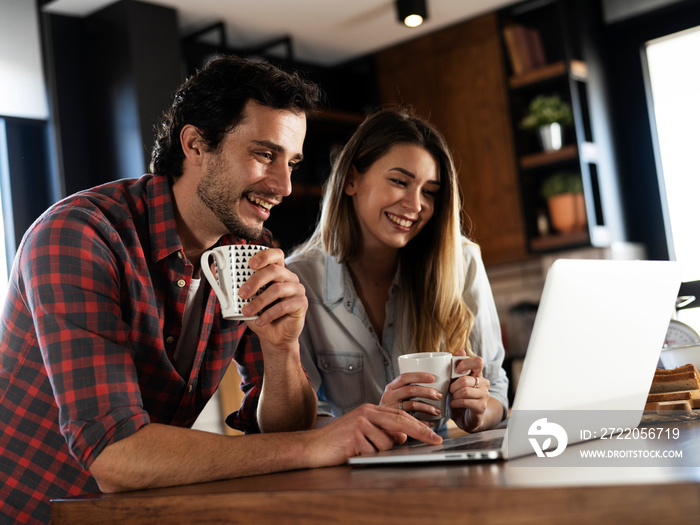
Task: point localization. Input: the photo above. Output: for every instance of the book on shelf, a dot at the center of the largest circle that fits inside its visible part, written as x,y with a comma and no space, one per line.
536,47
524,46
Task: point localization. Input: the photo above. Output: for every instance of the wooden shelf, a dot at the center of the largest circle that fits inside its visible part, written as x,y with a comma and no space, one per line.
545,158
576,68
558,241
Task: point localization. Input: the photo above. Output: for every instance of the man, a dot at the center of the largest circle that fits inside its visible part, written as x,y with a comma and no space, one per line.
111,344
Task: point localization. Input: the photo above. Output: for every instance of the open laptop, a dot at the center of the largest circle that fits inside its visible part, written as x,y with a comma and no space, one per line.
594,347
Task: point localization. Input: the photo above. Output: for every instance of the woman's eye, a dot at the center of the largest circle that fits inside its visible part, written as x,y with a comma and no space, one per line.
399,182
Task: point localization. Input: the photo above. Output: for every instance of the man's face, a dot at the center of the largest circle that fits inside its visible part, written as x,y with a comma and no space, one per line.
251,170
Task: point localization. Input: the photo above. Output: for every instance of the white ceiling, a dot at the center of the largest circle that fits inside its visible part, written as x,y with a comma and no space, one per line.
324,32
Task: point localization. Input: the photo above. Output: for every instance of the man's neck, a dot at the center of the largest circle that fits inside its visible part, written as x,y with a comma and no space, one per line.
192,227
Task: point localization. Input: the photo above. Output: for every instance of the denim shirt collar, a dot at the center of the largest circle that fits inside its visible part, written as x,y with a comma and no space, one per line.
338,285
333,286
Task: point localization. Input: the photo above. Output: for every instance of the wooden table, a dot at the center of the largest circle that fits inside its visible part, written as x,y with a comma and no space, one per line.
488,492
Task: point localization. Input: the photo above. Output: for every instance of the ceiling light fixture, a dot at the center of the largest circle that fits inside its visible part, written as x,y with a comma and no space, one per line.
412,12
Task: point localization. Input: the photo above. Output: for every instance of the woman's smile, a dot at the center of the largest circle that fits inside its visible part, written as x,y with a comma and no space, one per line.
395,197
403,223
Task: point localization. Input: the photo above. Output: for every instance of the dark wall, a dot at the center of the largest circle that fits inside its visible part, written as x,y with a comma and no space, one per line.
633,133
350,86
65,46
113,74
134,70
30,176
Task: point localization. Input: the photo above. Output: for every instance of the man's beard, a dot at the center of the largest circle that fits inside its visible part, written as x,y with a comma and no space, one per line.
221,203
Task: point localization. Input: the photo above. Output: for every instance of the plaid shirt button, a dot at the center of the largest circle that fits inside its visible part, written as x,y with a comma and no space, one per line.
170,339
182,283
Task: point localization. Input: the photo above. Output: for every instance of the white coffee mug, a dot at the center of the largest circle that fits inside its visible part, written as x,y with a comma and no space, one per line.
442,365
232,270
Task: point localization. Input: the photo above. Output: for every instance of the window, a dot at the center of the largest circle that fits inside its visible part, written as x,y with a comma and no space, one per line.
674,80
5,209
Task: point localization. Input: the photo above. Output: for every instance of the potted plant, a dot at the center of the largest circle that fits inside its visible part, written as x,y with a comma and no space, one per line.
563,192
548,114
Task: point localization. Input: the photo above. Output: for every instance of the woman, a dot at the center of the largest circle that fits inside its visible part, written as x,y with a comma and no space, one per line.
388,271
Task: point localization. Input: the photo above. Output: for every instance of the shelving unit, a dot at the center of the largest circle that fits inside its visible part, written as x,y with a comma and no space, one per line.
566,72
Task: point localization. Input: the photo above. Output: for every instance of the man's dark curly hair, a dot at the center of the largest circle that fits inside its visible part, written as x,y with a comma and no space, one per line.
213,100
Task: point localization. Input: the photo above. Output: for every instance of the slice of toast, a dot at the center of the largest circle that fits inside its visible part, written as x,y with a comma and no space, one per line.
685,377
676,382
681,395
685,368
675,389
669,405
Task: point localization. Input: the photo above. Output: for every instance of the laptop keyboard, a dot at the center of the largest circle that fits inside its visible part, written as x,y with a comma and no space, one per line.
490,444
461,444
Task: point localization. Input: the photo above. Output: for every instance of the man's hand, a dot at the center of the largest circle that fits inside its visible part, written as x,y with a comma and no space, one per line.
153,456
282,306
365,430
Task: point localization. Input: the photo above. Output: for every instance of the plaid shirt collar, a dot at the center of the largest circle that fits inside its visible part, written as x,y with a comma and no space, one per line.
162,227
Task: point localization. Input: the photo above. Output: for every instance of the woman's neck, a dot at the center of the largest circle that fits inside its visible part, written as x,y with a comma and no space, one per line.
372,275
375,266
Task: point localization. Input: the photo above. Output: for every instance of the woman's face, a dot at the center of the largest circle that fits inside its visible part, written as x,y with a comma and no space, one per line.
395,198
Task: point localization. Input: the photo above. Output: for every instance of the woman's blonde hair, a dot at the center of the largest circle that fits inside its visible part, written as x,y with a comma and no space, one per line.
432,275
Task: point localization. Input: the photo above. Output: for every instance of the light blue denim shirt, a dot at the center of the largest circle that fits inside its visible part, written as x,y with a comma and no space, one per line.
347,362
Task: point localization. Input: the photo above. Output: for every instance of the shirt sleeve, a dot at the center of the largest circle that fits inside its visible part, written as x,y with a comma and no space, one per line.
71,281
249,360
485,337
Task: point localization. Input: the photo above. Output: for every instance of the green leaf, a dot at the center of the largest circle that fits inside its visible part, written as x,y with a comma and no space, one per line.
547,109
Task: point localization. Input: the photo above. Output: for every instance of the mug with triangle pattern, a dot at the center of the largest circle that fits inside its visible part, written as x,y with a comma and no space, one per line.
231,271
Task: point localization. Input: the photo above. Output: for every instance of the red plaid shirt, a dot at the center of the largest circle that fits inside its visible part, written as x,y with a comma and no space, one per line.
89,328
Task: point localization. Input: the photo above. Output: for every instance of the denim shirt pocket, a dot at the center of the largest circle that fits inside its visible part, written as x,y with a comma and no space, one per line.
343,378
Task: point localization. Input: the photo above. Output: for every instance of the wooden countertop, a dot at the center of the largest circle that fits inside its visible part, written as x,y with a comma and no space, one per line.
487,492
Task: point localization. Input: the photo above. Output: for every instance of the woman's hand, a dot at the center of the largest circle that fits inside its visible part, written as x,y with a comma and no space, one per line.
400,393
470,394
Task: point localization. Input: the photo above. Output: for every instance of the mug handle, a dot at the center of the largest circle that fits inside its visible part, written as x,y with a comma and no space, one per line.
455,360
204,262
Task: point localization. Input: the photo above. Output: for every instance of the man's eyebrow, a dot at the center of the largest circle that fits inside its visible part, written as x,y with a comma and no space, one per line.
275,147
409,174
